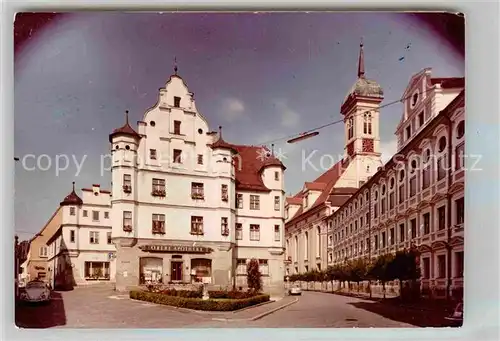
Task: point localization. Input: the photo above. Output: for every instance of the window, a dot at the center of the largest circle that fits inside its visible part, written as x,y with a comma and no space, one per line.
413,186
277,203
106,215
241,267
224,229
426,268
158,224
127,221
277,233
85,213
459,204
367,124
413,226
97,270
152,154
254,232
401,193
43,251
441,266
421,119
127,183
441,218
367,243
391,200
350,129
441,168
197,225
177,156
367,218
414,99
355,225
408,132
239,231
224,194
177,101
375,210
427,223
391,237
108,236
426,177
376,242
276,176
200,159
401,233
254,202
460,129
93,237
383,206
72,211
361,222
158,187
330,240
459,264
239,200
95,215
72,236
459,157
383,240
442,144
197,190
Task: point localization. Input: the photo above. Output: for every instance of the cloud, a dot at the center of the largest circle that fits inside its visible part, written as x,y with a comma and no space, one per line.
388,149
232,109
289,117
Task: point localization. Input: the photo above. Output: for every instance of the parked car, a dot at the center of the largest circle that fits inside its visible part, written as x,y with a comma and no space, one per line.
35,291
295,290
457,318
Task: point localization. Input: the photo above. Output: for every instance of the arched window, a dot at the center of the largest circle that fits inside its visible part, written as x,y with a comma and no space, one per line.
350,128
367,124
318,241
306,244
460,129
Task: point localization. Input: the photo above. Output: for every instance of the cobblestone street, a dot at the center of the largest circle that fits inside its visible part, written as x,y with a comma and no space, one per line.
101,307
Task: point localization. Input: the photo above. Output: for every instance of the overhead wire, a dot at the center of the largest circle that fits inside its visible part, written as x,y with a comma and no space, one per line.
337,121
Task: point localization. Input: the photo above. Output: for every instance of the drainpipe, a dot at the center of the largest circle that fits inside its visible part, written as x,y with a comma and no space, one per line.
448,211
370,236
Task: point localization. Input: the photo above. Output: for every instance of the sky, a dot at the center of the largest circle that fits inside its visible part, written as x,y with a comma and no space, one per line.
259,76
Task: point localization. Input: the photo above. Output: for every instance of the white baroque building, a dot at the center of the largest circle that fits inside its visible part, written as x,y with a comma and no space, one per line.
80,250
189,207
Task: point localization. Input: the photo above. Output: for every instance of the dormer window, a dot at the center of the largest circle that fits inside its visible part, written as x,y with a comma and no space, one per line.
177,102
177,127
306,201
414,99
421,119
408,132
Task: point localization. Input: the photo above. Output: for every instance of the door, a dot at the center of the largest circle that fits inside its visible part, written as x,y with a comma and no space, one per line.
176,271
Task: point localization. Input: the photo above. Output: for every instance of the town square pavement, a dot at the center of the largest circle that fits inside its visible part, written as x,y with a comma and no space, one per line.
102,307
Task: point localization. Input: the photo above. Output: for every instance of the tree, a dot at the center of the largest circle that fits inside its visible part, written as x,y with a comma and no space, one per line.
405,268
358,270
254,276
382,270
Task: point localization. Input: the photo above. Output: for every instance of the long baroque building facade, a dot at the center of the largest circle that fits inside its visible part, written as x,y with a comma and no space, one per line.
189,207
417,198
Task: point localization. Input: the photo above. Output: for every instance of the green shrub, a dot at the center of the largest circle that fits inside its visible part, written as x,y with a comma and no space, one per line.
232,294
197,303
183,293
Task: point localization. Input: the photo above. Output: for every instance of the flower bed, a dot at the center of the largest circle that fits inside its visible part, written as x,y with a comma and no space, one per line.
212,304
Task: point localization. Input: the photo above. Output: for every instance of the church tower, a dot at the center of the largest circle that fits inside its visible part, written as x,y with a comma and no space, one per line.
361,110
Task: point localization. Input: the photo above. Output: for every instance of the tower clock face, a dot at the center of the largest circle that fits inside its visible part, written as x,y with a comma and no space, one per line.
368,146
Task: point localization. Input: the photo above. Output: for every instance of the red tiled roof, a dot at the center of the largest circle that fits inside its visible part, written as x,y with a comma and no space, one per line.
248,173
126,129
294,200
315,186
330,178
449,83
221,144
